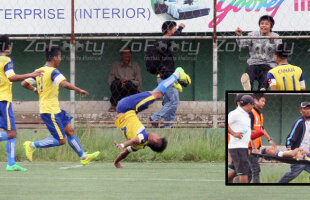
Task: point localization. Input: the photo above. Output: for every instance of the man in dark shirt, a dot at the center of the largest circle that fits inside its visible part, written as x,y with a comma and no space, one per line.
299,137
167,67
124,79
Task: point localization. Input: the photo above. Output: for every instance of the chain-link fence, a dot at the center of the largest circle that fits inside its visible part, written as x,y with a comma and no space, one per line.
92,36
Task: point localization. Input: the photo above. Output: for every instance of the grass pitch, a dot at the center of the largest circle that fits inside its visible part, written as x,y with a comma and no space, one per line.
69,180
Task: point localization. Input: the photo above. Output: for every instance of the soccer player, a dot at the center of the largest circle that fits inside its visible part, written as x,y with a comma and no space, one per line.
297,153
285,76
130,125
7,119
56,120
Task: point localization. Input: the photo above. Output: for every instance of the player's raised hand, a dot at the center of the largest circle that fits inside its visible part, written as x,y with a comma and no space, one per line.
83,93
37,73
238,31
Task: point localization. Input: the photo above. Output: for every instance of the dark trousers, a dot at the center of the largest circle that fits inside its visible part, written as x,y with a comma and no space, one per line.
295,171
118,92
254,169
259,73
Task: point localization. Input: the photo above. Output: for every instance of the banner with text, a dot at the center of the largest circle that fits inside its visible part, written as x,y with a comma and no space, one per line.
147,16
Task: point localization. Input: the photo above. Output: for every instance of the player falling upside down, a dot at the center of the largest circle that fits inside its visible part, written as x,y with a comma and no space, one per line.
297,153
130,125
56,120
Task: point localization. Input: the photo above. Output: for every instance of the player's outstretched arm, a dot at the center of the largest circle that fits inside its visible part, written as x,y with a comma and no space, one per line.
128,143
22,77
69,86
120,157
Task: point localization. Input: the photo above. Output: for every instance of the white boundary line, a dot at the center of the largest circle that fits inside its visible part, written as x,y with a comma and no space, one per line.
71,167
119,179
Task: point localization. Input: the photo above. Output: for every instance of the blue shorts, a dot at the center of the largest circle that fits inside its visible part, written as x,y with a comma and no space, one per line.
7,119
56,123
137,102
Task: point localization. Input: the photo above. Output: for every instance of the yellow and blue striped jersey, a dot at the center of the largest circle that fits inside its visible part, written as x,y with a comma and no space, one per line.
6,71
131,127
48,89
286,77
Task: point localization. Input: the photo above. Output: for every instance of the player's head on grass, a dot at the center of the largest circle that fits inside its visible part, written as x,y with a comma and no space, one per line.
5,46
305,109
53,55
169,27
266,24
260,100
156,142
282,53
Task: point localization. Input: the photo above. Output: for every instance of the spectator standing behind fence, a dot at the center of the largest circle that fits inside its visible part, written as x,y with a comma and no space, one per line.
124,79
167,67
261,54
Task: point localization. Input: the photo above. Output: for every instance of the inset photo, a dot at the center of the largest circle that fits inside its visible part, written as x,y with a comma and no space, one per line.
267,138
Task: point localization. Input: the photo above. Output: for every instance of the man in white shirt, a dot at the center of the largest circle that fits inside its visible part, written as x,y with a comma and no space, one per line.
239,128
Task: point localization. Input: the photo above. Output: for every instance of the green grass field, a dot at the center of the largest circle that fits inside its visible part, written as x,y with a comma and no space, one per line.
185,144
103,181
192,167
147,180
271,173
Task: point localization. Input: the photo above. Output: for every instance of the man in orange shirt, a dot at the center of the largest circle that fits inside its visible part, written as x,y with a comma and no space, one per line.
257,121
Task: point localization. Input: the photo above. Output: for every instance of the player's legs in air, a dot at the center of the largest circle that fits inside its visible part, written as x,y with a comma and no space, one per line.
163,86
141,101
7,123
60,127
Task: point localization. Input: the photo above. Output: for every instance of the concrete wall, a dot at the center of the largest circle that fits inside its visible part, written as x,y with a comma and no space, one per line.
196,113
